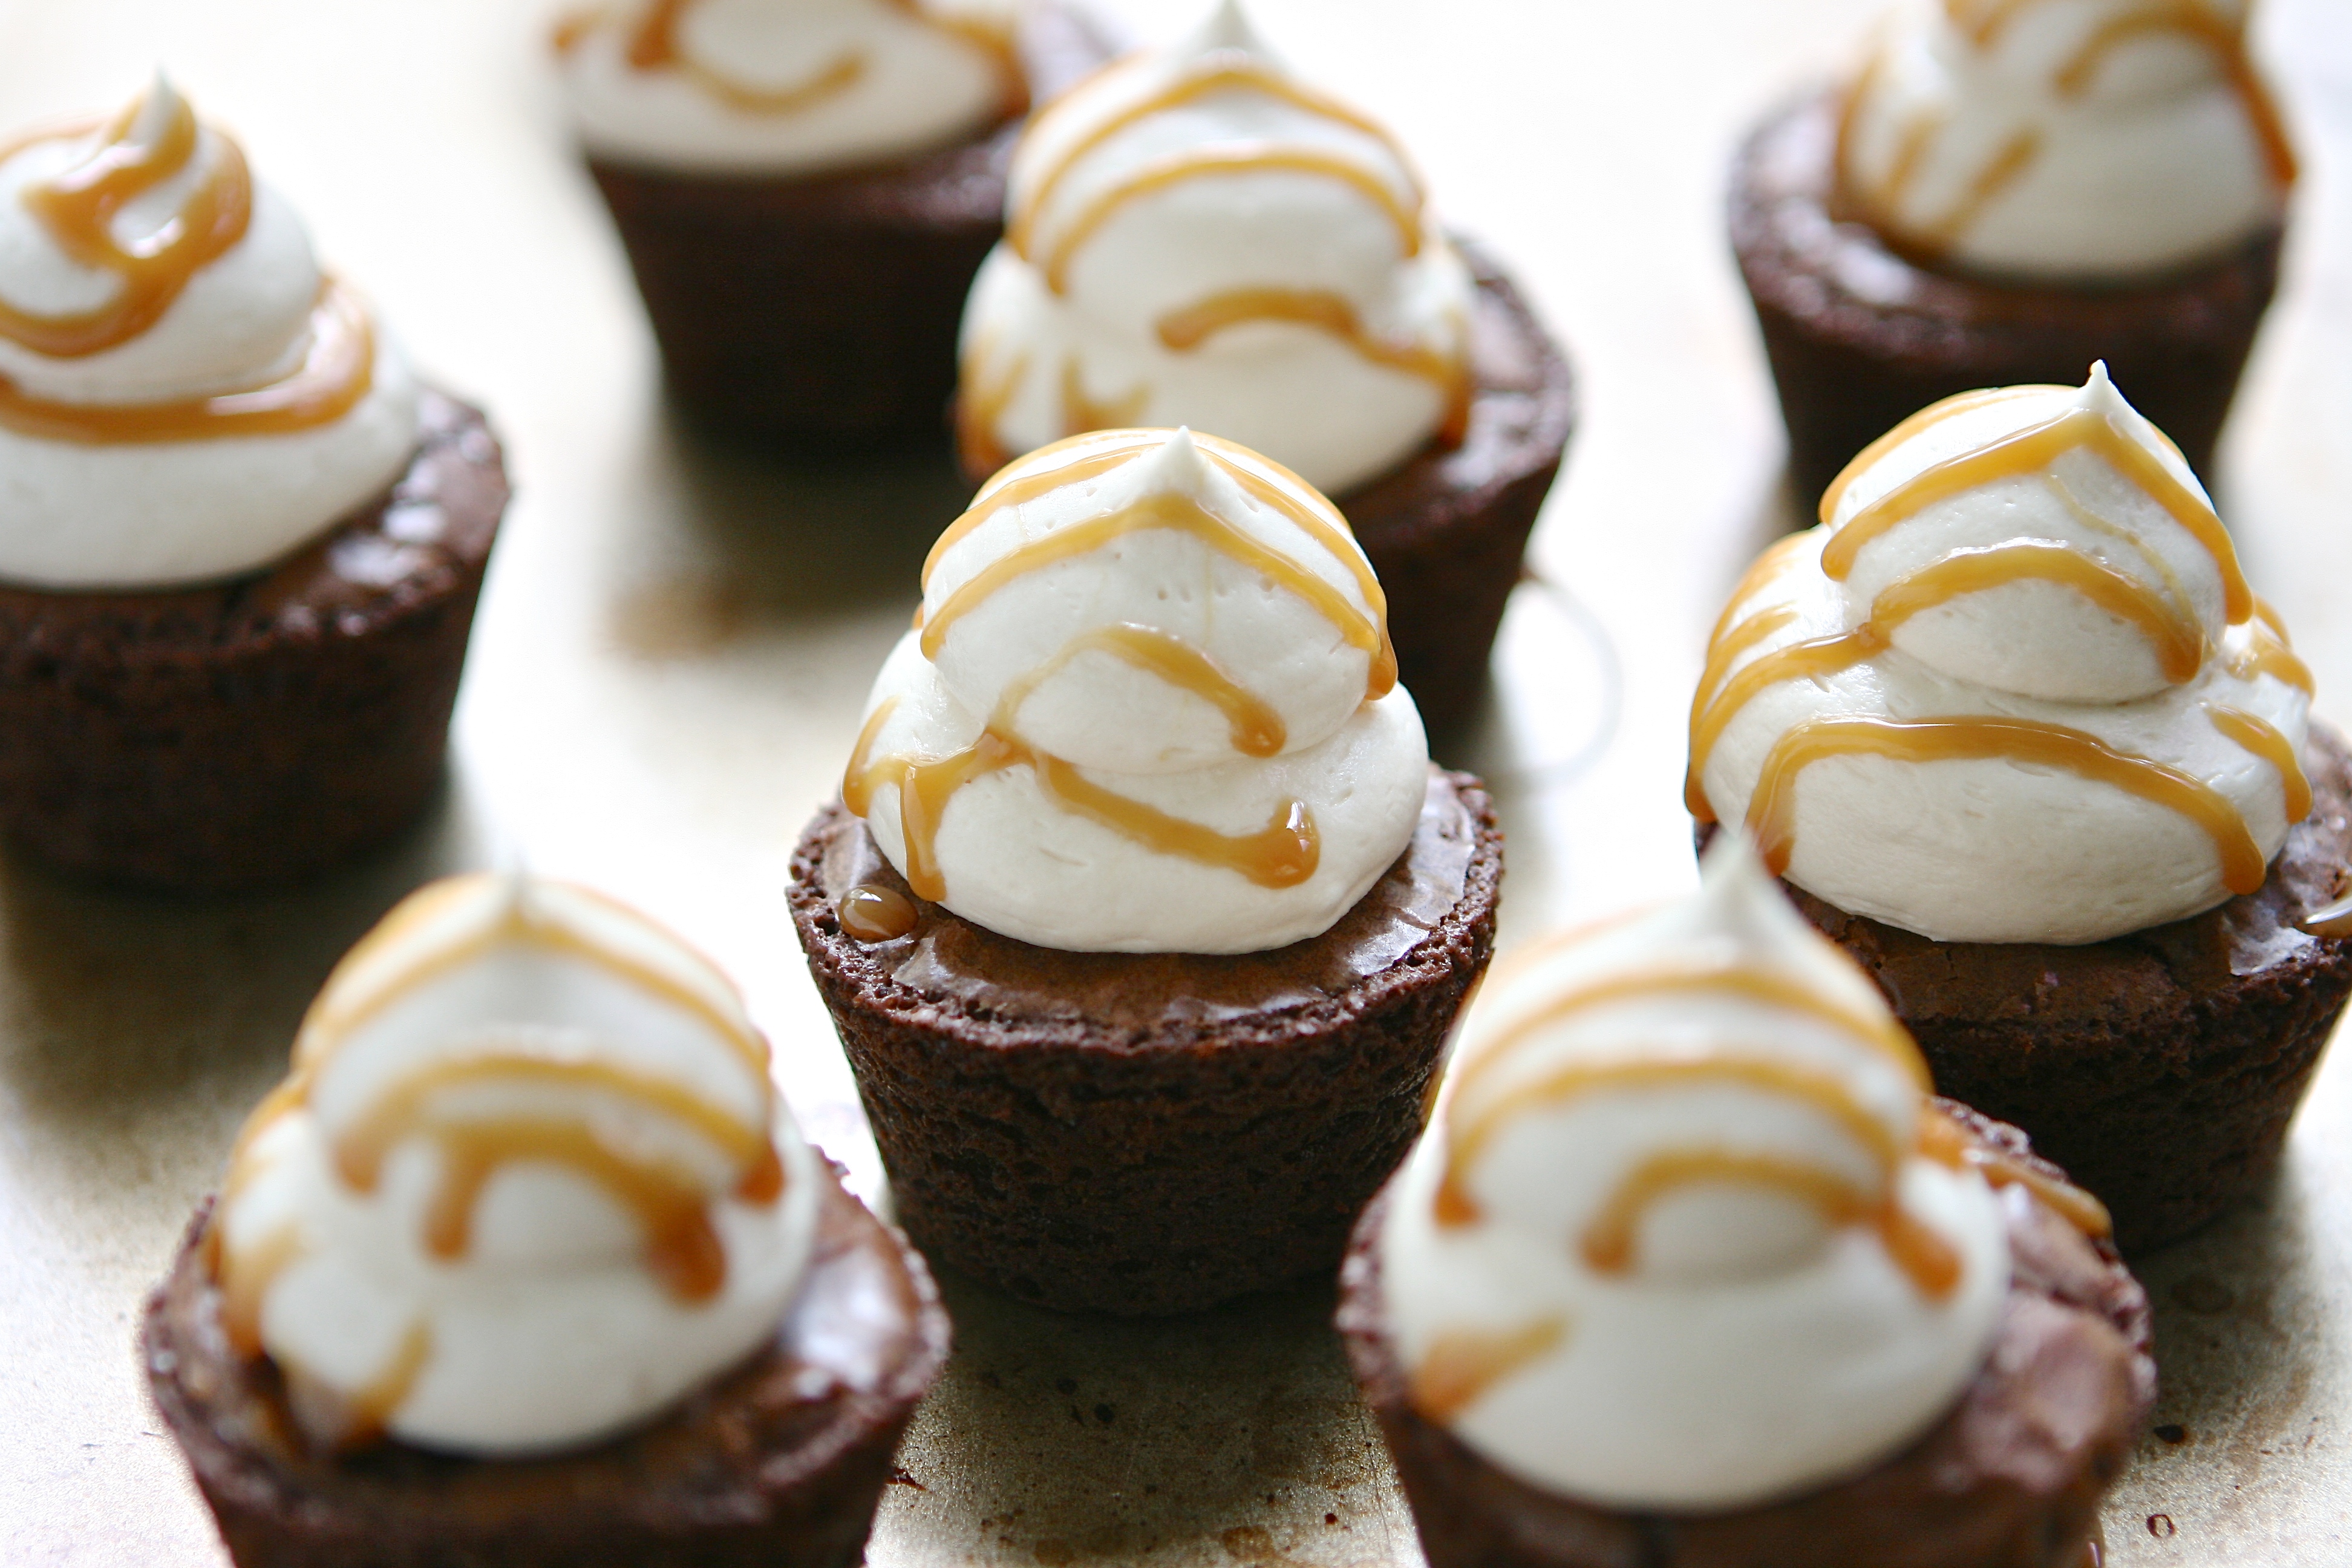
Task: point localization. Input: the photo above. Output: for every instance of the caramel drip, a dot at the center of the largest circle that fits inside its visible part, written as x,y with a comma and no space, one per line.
872,913
1935,414
1182,514
2263,739
2153,559
1081,412
655,47
1330,312
246,1276
1459,1367
860,777
1727,647
337,369
1771,811
2224,39
1948,1143
1095,453
2178,640
372,1407
1250,158
993,35
331,1018
1220,73
2267,653
2036,447
78,206
1467,1136
1806,660
1256,728
981,408
1608,1244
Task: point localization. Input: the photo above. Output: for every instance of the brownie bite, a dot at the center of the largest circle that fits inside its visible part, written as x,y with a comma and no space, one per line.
525,1264
1143,917
2003,195
1198,236
817,305
1689,1269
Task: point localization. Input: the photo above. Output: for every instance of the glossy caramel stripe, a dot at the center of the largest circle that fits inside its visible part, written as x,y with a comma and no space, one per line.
1223,74
2263,738
1935,414
2268,654
78,206
654,46
1250,158
2035,448
1608,1244
1460,1366
2178,641
1771,811
2152,558
1187,329
1468,1134
337,371
1257,729
2226,40
1945,1142
1805,660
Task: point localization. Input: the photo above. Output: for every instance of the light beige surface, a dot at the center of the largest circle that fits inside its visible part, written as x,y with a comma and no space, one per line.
674,643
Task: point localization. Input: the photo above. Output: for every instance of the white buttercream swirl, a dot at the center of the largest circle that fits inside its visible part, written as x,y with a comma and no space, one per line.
90,513
629,1242
784,87
1171,627
1803,1298
2072,140
2112,609
1195,239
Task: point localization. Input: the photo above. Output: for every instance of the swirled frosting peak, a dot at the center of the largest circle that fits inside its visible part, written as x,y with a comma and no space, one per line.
1683,1233
2074,140
784,85
183,395
2015,688
1149,706
1195,236
527,1185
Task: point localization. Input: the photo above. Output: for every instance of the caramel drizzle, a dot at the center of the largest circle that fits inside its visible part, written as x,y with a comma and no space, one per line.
2178,641
1935,414
980,407
2190,19
1807,660
1947,1143
655,45
1608,1245
337,371
1186,329
78,209
1245,158
1253,727
2262,738
246,1277
2013,456
2267,653
1771,811
1459,1367
368,1409
1081,412
1220,72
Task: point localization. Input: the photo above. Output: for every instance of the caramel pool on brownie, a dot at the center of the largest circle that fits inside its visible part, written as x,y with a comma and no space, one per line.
2017,728
803,244
231,621
1688,1270
1899,250
1198,236
525,1263
1145,948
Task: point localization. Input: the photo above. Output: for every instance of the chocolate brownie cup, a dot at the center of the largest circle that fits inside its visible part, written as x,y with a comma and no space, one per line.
259,729
1860,333
2011,1477
781,1461
820,310
1146,1133
2161,1067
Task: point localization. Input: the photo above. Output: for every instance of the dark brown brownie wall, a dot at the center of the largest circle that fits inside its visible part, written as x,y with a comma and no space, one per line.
777,1465
2161,1068
257,730
820,310
1446,532
1860,337
2010,1479
1150,1133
